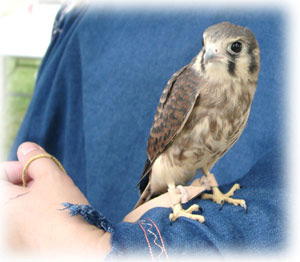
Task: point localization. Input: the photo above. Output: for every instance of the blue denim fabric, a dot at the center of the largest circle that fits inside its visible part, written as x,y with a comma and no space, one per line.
90,215
93,106
229,230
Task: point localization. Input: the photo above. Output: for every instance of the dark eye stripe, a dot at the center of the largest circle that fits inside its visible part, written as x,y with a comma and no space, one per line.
231,68
253,63
202,61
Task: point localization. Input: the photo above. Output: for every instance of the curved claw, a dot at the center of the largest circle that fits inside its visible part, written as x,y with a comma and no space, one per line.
200,210
221,205
246,208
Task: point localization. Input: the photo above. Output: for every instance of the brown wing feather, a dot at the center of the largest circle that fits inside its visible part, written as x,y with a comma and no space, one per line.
175,105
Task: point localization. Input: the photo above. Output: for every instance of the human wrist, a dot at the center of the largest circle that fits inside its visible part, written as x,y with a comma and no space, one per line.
91,240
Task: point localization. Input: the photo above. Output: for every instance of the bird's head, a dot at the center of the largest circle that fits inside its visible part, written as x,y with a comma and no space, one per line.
229,51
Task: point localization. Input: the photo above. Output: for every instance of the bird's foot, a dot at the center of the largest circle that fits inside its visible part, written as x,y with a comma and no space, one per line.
178,211
218,197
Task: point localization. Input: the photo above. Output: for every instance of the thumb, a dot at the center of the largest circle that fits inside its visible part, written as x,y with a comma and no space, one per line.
39,167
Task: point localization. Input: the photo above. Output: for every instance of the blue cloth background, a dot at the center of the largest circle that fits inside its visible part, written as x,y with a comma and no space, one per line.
93,106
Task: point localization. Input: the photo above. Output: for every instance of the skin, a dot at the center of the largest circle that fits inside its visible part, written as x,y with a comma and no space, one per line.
33,220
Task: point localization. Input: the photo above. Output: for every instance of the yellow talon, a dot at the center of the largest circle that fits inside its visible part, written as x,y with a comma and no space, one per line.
178,211
218,197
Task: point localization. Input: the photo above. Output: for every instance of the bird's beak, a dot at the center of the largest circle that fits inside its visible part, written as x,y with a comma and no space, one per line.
212,55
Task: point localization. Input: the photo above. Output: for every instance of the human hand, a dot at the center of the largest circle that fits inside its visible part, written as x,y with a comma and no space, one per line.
33,217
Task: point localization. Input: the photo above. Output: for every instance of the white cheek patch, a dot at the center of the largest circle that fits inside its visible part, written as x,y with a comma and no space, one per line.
217,72
242,66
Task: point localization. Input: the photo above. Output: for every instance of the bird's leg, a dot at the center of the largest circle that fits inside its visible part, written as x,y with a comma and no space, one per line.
218,197
180,197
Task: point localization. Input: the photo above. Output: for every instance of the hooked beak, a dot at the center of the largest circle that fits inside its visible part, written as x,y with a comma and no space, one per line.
212,55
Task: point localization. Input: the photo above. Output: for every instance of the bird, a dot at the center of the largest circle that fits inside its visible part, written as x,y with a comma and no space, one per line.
202,112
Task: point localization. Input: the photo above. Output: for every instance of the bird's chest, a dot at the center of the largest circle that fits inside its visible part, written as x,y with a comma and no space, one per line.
214,125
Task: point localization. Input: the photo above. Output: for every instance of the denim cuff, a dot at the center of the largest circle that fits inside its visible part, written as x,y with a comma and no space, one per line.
90,215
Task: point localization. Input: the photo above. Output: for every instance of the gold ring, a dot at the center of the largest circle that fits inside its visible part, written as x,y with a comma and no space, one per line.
35,158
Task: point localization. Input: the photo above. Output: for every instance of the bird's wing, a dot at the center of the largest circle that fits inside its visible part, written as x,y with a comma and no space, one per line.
175,105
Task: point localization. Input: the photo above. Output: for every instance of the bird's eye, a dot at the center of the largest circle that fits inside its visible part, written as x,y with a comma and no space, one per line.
236,47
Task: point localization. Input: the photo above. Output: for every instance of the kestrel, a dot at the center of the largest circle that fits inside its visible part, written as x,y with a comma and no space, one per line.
202,112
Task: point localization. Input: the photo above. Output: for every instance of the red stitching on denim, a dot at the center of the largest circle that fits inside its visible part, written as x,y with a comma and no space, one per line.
161,240
149,229
149,245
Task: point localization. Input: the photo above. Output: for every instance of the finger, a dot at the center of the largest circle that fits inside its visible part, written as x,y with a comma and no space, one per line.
8,169
11,171
41,167
10,179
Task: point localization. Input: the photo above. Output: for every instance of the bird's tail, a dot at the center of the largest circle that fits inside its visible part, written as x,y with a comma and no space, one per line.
145,196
